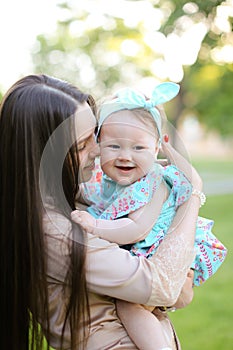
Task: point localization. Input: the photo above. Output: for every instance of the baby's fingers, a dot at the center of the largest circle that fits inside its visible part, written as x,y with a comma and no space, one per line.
167,148
76,216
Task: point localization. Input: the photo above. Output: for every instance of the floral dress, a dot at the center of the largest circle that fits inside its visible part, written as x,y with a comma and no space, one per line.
112,201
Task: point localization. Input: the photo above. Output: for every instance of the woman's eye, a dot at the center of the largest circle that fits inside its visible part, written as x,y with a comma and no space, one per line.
81,147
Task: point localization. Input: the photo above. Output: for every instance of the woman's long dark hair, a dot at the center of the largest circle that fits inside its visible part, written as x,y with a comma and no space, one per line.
30,112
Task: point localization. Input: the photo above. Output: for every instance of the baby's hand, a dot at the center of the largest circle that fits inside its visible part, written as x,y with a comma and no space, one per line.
182,163
84,219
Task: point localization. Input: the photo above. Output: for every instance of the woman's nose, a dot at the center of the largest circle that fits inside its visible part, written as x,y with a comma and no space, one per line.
95,150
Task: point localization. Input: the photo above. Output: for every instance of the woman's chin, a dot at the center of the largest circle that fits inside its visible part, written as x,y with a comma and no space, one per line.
85,176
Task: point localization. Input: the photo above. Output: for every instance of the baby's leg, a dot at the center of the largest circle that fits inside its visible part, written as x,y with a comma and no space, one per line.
142,326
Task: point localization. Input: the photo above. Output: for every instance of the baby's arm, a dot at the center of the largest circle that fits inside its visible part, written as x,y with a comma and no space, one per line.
125,230
142,326
133,316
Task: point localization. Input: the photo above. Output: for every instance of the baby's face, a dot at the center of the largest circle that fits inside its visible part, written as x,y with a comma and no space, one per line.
128,147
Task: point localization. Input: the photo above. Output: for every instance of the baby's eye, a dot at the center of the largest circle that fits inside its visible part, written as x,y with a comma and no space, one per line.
114,146
138,148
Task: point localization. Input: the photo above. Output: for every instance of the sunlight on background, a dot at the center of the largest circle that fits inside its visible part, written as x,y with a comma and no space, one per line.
21,21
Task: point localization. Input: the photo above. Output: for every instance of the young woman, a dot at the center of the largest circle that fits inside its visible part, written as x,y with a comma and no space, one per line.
54,275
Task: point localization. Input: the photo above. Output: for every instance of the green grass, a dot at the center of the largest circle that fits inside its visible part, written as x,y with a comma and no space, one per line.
207,322
213,167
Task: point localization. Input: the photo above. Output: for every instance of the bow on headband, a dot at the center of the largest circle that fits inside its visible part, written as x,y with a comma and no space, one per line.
128,98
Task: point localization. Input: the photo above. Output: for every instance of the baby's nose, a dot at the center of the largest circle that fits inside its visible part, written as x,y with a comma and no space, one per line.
124,154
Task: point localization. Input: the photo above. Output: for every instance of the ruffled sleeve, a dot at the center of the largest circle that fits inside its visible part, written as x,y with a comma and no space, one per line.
92,190
210,252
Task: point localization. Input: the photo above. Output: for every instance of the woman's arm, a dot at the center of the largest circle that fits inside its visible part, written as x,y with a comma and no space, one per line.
126,230
175,254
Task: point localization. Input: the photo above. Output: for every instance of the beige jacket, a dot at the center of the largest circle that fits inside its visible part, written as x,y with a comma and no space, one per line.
111,273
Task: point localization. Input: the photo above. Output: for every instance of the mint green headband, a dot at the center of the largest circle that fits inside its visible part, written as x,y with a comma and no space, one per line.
128,98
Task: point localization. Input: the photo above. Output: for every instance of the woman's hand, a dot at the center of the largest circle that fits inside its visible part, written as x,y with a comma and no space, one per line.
181,162
186,295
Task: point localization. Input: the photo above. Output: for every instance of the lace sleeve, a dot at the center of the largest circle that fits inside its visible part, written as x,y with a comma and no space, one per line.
172,260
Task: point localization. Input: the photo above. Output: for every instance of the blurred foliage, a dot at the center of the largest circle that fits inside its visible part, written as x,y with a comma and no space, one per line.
211,86
100,51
